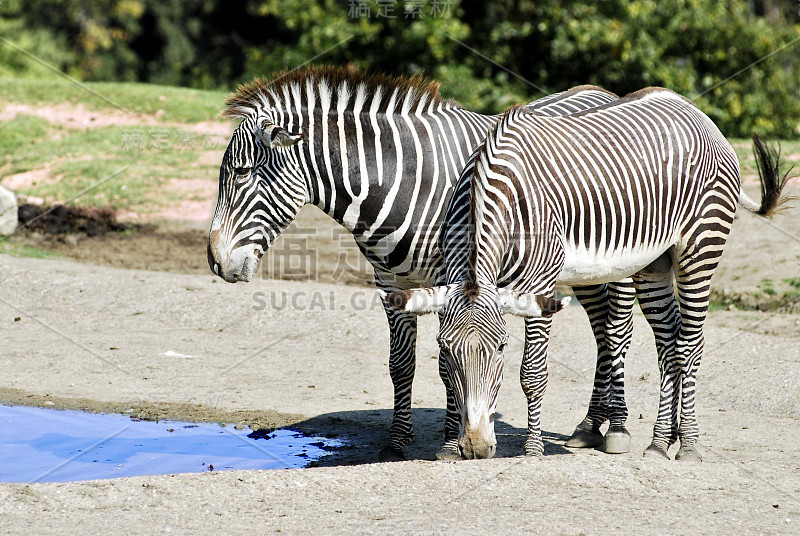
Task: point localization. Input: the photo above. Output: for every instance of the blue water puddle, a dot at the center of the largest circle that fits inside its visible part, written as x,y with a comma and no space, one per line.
45,445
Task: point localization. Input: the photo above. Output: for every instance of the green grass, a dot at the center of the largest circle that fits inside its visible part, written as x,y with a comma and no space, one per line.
767,287
100,166
118,167
765,298
794,283
178,104
18,250
790,155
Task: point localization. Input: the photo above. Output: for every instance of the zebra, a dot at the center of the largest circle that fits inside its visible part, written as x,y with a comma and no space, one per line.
647,187
379,155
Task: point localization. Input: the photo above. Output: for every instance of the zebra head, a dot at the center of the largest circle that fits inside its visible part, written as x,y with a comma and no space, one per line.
261,188
472,338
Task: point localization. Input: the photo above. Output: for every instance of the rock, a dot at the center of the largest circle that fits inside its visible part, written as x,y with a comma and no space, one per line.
8,211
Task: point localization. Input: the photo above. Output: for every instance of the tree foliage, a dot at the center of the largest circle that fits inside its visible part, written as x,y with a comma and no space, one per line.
727,56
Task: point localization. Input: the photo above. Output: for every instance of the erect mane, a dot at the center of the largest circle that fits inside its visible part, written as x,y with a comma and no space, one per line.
412,91
478,189
644,93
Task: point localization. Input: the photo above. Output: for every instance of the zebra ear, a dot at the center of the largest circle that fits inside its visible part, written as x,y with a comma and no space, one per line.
275,136
417,300
530,305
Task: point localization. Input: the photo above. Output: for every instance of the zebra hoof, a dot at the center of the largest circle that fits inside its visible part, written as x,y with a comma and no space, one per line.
391,454
584,439
617,440
448,454
688,453
656,452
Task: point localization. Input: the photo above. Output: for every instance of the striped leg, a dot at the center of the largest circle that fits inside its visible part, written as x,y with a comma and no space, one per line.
693,293
594,300
610,311
619,332
533,377
402,361
660,308
693,276
451,425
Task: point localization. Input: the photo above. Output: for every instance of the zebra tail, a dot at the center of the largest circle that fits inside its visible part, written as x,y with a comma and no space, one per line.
773,200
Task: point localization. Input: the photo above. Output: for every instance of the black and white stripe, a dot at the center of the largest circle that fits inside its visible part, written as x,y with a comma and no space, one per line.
644,187
380,155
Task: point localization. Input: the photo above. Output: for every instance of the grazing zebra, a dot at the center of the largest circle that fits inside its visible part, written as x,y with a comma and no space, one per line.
646,187
380,155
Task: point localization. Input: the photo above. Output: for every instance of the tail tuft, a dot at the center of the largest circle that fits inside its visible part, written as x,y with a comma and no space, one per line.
773,200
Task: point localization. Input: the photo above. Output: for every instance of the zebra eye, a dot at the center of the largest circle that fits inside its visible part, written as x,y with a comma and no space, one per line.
242,171
501,348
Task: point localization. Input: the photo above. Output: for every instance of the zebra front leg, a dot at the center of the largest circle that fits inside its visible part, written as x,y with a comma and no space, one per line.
594,300
533,377
402,362
660,308
449,450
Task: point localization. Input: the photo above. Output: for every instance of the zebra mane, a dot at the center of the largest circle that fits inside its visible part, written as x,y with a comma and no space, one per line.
662,92
478,187
412,91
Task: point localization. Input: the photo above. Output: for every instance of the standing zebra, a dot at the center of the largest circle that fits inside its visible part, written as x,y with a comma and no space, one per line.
380,156
646,187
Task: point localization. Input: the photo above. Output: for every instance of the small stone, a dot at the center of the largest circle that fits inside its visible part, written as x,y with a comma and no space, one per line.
8,211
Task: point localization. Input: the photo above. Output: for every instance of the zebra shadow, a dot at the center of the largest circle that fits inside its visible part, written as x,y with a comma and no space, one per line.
365,433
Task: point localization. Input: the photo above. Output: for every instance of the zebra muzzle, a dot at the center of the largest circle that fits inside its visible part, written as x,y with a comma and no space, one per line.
478,440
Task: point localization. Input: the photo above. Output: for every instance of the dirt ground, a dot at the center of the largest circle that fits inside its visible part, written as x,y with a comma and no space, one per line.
102,334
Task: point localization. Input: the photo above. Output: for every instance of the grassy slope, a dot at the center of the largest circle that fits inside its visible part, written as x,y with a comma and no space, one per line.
180,105
112,166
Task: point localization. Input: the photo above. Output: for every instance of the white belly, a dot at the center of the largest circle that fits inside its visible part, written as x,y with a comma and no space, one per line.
582,267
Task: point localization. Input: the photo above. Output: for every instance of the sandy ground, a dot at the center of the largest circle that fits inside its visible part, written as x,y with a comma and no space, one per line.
96,337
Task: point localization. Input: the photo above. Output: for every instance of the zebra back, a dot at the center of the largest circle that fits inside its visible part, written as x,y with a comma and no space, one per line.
625,180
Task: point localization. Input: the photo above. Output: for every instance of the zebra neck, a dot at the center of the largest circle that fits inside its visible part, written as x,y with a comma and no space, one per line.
371,172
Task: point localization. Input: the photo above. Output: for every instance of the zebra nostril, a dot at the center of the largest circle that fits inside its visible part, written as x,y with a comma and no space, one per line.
212,262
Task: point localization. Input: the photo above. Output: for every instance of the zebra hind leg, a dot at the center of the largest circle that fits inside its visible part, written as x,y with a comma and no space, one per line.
660,308
402,362
694,286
